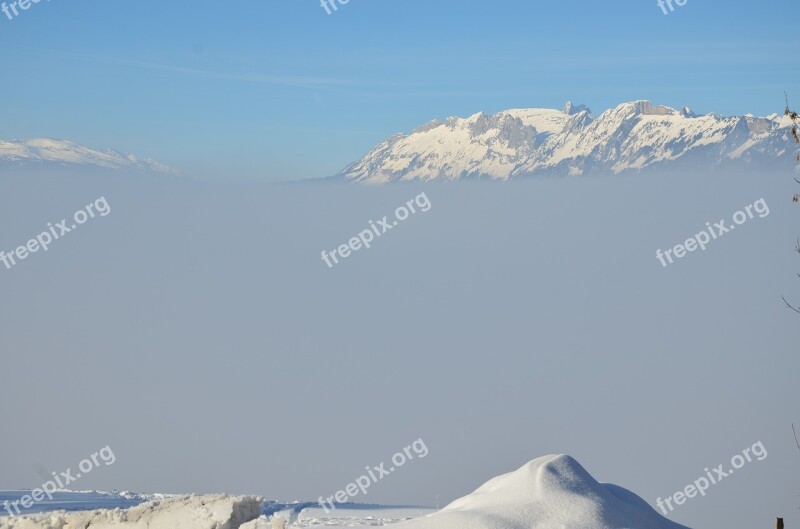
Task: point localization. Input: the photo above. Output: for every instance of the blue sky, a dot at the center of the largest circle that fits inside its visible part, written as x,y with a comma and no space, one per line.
278,89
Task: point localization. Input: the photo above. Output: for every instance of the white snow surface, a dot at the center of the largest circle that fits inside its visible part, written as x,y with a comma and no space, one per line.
62,152
353,515
551,492
571,142
180,512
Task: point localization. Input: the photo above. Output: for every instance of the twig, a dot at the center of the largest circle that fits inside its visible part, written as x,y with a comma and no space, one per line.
790,306
795,436
794,116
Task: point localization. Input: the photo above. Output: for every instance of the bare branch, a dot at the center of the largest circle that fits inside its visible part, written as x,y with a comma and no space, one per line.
790,306
795,436
795,132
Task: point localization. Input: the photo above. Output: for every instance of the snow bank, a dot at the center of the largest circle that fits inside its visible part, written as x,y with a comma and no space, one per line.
181,512
552,492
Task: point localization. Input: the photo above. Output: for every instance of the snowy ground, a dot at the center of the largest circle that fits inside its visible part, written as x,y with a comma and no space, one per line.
353,515
218,511
552,491
76,501
306,514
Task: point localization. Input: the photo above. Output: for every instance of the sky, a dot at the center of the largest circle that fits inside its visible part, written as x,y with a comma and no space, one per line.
280,90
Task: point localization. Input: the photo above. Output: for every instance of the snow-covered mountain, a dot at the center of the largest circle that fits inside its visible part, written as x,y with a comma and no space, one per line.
551,491
45,153
526,142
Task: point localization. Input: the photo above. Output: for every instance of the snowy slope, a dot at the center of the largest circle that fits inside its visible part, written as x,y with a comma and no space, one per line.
549,492
572,141
44,151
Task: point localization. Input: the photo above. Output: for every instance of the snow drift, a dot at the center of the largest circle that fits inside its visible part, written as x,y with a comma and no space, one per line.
181,512
549,492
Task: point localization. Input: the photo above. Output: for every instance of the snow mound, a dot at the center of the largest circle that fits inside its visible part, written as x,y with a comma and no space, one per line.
182,512
553,491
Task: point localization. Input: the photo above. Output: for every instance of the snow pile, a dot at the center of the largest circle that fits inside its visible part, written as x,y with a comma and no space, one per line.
549,492
182,512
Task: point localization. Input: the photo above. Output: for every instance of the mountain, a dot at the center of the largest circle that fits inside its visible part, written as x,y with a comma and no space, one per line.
49,155
548,492
632,137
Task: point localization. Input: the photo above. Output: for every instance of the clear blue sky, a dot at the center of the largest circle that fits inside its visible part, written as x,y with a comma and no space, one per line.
278,89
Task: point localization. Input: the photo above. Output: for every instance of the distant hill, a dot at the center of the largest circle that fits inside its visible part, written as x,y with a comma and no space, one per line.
51,156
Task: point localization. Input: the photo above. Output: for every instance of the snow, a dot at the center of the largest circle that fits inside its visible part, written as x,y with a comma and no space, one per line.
350,515
78,500
554,491
551,492
51,513
633,136
180,512
46,150
542,119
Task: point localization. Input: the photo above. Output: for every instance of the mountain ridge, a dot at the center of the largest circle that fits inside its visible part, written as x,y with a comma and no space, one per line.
44,152
631,137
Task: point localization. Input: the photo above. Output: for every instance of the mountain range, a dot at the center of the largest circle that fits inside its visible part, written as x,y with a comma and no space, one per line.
51,155
632,137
